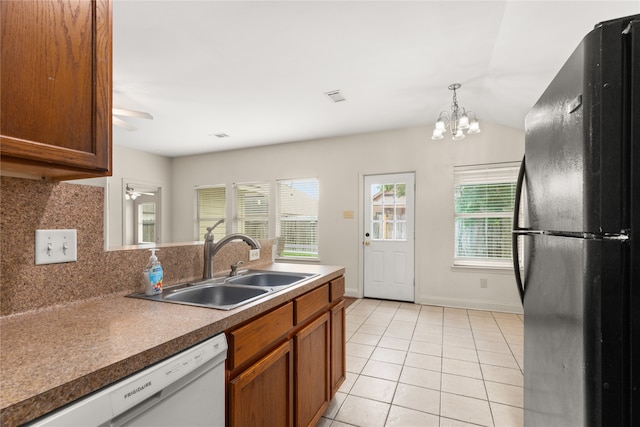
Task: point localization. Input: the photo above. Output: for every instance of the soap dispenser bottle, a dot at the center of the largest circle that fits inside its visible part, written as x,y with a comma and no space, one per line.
153,275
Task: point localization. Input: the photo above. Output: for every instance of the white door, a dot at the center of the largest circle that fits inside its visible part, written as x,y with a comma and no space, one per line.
389,236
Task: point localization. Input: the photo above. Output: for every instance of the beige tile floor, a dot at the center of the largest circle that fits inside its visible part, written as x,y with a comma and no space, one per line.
411,365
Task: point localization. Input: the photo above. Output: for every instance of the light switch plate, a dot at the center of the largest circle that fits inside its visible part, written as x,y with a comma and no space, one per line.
254,254
56,246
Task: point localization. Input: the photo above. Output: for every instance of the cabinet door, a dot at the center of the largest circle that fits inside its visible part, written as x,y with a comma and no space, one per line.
262,395
338,365
313,370
56,87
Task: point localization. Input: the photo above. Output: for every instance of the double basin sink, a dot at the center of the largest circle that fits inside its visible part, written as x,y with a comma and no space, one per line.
227,293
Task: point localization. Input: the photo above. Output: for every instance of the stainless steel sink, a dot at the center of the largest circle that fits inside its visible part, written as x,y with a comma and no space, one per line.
268,279
227,293
223,297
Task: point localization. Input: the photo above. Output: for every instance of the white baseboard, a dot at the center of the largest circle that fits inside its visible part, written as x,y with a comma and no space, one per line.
455,303
352,293
470,304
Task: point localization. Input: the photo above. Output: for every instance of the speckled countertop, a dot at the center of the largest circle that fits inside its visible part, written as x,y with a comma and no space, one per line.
51,357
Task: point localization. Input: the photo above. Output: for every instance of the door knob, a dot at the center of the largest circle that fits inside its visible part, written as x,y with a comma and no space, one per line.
367,243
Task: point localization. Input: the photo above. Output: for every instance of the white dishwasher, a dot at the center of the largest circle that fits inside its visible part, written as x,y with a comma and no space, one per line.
184,390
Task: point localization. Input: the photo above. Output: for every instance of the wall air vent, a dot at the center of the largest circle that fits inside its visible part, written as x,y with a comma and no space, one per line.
335,96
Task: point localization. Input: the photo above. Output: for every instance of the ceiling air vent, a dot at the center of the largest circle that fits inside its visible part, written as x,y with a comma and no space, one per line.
335,96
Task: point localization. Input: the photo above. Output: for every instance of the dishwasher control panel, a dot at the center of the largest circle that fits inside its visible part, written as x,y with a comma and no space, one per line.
151,381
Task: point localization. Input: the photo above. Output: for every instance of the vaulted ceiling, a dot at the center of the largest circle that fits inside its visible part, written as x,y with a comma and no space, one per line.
258,71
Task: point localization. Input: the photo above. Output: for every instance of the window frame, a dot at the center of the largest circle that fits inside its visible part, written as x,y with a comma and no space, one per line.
486,174
273,218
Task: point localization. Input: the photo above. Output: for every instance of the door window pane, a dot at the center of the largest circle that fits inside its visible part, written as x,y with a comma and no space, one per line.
401,230
388,211
376,231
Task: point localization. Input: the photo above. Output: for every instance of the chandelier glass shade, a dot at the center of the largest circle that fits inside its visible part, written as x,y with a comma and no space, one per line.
457,121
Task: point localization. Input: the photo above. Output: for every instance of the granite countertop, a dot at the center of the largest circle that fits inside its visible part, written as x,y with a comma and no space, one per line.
52,357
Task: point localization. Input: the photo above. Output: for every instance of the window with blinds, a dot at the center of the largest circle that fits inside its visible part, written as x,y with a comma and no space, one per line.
251,214
297,223
211,204
484,199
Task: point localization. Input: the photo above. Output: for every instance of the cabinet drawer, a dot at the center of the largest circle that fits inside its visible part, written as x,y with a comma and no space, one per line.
311,303
336,289
255,337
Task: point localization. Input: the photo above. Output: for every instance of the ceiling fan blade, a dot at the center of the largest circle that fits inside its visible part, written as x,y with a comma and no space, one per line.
132,113
121,123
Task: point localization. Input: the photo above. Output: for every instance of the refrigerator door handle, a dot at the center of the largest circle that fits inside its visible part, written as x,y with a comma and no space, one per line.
622,236
518,231
527,232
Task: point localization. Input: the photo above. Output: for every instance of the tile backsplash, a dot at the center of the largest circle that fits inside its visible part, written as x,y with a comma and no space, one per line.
27,205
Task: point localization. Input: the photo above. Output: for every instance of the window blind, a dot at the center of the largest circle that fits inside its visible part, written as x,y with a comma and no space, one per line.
298,218
211,206
252,209
484,199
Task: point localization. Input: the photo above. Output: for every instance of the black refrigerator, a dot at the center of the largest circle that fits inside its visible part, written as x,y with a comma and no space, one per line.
580,187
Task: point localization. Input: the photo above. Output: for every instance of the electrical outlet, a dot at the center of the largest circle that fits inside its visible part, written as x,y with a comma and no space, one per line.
254,254
56,246
483,283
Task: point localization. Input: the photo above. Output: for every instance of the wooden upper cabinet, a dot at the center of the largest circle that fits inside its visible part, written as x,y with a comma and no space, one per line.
56,87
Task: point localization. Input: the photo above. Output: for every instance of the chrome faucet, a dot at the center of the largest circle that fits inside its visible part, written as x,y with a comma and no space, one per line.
211,248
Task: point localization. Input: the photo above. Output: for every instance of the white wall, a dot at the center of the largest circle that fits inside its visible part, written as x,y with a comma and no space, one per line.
339,164
136,166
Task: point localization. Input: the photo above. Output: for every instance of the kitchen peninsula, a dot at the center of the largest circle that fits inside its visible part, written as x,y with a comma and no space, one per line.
53,356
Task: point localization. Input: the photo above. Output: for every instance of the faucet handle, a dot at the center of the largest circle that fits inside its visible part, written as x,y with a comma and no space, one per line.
234,268
210,229
209,235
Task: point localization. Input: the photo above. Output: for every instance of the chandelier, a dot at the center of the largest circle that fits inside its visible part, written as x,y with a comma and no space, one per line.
457,122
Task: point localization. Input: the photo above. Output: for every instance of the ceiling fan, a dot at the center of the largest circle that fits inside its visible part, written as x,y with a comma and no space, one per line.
132,194
128,113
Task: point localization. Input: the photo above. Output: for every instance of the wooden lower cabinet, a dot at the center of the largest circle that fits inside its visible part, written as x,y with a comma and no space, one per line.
338,351
313,365
284,367
262,395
